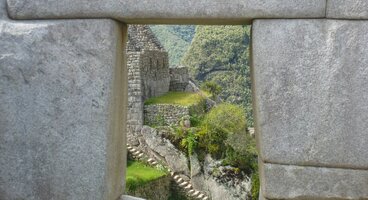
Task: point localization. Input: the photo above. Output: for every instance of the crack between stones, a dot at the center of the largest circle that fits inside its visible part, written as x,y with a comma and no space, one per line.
314,166
326,8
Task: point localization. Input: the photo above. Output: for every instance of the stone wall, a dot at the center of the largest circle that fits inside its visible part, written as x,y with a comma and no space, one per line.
62,102
164,114
62,86
148,75
179,78
135,97
311,105
154,66
158,189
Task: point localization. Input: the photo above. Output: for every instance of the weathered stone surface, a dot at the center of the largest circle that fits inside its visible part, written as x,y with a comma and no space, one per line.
148,75
218,188
261,197
347,9
165,114
179,78
168,11
311,92
297,182
196,173
3,12
61,111
162,149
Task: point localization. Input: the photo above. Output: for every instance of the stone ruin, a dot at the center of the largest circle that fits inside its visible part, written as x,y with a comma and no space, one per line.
63,93
149,75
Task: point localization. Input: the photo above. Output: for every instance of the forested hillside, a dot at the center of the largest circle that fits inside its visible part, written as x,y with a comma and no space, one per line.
175,38
213,53
220,54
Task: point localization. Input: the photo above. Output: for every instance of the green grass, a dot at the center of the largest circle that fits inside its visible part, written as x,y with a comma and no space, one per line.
139,174
178,98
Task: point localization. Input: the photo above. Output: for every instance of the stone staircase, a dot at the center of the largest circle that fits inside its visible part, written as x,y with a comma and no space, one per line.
185,185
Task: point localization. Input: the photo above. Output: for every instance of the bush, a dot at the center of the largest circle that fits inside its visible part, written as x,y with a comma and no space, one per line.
221,121
212,87
227,119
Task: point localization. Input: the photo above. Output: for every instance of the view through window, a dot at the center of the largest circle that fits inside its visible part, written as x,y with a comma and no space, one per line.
190,119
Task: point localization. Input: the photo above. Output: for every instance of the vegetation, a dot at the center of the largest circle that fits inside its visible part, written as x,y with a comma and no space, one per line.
176,39
177,98
212,88
255,185
219,54
139,174
222,133
222,121
218,60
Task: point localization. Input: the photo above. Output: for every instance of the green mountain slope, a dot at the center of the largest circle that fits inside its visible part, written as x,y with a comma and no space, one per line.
220,54
176,39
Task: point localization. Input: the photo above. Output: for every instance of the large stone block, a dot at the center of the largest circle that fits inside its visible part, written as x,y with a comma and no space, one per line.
312,183
62,86
347,9
169,11
3,11
311,92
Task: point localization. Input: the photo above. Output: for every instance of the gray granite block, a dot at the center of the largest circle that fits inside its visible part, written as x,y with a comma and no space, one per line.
3,11
312,183
168,11
311,92
61,110
347,9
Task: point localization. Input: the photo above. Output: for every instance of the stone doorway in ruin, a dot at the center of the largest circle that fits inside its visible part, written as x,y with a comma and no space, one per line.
151,75
311,109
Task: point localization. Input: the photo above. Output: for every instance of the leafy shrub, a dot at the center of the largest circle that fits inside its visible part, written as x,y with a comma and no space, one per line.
212,87
226,118
195,120
221,121
189,142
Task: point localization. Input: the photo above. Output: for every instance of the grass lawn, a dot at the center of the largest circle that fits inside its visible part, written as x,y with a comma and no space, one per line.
178,98
139,174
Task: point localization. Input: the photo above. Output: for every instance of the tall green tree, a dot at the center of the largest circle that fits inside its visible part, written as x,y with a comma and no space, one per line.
220,54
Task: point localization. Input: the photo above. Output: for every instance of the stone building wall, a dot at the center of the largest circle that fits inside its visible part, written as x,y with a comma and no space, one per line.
164,114
179,78
148,74
155,190
154,66
135,100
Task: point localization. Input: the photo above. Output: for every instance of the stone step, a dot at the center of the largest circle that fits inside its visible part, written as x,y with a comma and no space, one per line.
189,186
183,184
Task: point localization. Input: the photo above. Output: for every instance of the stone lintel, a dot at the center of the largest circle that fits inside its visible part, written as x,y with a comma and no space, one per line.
168,11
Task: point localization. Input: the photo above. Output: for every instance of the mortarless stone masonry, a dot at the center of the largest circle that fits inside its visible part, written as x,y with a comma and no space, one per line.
148,75
61,110
62,114
164,114
179,78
